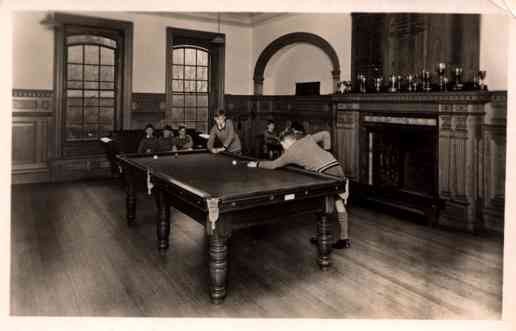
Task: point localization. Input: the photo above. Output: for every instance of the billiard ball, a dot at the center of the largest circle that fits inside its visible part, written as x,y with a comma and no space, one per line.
155,156
234,162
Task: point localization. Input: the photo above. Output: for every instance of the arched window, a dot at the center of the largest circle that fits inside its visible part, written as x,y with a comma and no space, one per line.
91,86
190,87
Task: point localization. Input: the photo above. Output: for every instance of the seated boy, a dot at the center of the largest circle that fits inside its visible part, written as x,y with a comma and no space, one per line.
166,141
225,132
149,143
305,152
183,141
271,144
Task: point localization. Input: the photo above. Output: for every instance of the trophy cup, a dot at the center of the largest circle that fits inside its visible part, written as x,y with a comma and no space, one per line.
441,70
378,83
458,79
392,80
425,77
482,76
410,80
362,82
399,82
340,87
445,84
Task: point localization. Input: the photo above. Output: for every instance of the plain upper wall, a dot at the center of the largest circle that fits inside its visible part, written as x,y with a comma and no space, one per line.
300,62
305,63
33,50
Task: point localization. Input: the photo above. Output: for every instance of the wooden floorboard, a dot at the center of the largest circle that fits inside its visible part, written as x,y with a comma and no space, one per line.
74,255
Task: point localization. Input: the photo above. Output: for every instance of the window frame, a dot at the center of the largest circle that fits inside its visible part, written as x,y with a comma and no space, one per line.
122,118
216,54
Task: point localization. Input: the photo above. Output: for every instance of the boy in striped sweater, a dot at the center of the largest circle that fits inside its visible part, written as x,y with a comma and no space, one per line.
305,152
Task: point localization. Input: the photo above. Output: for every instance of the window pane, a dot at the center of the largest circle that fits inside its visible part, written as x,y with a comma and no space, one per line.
91,73
177,72
107,102
107,74
189,72
75,54
177,85
202,73
107,86
88,39
73,132
106,116
178,56
202,58
107,56
91,85
91,54
74,115
74,101
202,114
190,100
77,85
189,86
74,72
190,114
91,115
177,114
107,94
190,125
202,100
190,56
91,98
74,93
202,86
178,100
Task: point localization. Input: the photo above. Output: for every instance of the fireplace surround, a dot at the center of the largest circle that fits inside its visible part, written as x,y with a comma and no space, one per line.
423,151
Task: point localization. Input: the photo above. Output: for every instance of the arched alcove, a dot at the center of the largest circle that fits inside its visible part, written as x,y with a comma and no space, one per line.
288,39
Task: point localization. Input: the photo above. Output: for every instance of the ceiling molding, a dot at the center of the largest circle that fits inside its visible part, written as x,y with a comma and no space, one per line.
230,18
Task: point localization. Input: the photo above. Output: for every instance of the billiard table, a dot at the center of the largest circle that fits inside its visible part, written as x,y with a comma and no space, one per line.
220,192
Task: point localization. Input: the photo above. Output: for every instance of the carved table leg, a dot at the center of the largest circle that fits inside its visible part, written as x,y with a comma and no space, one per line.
324,240
218,265
130,202
163,228
324,235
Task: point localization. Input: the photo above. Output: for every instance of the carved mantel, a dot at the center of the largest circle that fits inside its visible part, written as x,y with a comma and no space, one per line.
459,117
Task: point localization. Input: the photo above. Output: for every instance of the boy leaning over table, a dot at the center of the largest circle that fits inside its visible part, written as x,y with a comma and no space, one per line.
224,131
306,152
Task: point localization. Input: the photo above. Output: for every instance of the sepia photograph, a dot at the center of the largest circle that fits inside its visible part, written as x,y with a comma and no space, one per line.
260,163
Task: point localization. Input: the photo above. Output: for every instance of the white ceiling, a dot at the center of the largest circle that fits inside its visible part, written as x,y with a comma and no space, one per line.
236,18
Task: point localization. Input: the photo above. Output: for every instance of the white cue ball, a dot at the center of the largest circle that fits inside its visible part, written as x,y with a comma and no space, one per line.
155,156
234,162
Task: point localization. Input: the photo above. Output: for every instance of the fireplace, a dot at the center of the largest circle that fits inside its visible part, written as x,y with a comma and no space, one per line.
399,162
422,152
400,156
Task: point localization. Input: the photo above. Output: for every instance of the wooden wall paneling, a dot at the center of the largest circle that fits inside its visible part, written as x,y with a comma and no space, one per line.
32,113
493,163
346,141
459,139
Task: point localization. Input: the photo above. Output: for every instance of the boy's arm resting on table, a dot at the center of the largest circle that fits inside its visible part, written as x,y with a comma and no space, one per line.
281,161
231,134
211,139
323,138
